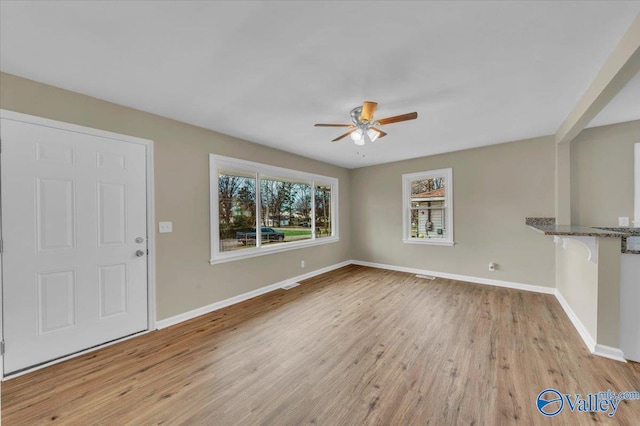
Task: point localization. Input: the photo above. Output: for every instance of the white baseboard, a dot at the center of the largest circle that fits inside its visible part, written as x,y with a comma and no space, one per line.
589,341
577,324
595,349
609,352
475,280
168,322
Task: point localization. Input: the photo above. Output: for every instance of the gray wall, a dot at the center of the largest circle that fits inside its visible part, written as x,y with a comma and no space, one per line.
602,174
185,279
495,188
577,282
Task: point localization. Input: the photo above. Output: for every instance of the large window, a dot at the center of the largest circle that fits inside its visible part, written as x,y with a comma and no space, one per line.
428,207
258,209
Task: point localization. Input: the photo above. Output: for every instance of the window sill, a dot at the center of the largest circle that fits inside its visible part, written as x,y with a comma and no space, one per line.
428,241
277,248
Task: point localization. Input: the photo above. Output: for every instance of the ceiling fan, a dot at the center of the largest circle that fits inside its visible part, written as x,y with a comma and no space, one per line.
364,130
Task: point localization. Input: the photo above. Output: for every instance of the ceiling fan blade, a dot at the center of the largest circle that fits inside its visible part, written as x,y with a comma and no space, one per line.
342,136
368,108
381,134
397,118
332,125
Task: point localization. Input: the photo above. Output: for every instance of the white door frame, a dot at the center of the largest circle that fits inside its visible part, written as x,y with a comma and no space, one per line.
151,236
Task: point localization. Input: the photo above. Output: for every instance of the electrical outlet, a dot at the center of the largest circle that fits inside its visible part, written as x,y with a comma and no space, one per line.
165,227
623,221
302,264
492,266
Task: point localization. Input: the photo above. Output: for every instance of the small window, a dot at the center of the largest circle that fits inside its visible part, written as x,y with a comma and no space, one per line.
258,209
428,207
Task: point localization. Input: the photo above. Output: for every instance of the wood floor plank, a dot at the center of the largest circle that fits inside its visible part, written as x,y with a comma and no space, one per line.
354,346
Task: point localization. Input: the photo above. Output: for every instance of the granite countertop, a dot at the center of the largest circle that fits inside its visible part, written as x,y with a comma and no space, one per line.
577,231
547,226
633,232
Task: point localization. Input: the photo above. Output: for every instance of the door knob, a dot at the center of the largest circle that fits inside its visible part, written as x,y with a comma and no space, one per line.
139,253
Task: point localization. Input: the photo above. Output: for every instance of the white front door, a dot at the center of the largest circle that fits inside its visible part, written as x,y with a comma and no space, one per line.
74,230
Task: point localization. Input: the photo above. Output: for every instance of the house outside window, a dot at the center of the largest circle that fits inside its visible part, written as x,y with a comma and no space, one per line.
428,207
258,209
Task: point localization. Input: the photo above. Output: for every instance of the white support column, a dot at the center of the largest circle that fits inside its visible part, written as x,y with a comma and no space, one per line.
636,185
620,67
563,184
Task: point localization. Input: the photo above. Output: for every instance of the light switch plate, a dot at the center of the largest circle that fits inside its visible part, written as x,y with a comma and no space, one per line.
623,221
165,227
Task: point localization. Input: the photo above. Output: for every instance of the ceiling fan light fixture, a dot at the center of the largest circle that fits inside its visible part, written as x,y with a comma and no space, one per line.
357,138
373,134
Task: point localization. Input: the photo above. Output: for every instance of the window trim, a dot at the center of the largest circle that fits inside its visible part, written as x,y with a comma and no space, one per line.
217,162
406,206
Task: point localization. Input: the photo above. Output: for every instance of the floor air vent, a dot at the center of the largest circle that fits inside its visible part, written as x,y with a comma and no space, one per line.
289,286
426,277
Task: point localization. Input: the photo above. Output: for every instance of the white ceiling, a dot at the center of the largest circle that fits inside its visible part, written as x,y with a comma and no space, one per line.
477,73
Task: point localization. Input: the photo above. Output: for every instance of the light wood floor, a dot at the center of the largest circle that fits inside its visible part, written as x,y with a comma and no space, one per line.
354,346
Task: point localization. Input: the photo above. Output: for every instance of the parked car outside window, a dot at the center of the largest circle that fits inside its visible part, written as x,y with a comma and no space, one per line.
268,234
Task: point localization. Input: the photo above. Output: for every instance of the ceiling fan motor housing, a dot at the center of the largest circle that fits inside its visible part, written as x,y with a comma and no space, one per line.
355,115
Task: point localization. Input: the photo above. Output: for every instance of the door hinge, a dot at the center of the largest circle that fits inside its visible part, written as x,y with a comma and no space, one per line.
2,348
1,246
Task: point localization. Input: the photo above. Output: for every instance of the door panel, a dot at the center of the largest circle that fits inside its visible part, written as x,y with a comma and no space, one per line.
112,210
56,301
55,200
113,290
61,153
73,205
